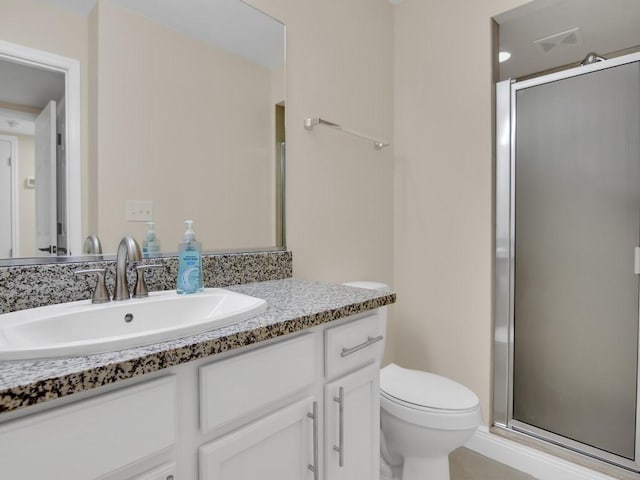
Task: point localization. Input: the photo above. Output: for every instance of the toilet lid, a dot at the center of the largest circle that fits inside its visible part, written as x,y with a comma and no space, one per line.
425,389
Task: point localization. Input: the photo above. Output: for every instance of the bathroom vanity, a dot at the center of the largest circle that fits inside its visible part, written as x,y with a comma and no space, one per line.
290,394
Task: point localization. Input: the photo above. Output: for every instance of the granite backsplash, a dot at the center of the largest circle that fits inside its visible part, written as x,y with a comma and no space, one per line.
30,286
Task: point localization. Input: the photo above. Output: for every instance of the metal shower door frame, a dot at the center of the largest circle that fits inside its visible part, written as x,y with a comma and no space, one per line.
504,273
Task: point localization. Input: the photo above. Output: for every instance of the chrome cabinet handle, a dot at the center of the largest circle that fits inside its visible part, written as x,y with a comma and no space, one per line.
340,447
370,341
101,293
314,416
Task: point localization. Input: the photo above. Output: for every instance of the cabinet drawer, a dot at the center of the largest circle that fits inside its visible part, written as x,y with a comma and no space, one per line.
164,472
247,383
353,344
94,437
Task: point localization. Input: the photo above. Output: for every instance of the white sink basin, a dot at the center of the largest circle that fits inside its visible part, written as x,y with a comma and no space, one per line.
82,328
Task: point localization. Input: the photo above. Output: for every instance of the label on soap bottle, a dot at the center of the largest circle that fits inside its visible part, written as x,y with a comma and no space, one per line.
189,278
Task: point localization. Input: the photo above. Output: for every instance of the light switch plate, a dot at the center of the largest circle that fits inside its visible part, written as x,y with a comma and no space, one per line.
139,211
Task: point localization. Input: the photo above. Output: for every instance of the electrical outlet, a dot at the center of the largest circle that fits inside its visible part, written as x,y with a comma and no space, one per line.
139,211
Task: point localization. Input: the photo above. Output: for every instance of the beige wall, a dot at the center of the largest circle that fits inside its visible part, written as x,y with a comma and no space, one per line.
339,188
186,126
443,210
26,196
38,25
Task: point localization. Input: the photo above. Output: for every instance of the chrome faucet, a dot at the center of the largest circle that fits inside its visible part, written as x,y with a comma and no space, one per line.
128,251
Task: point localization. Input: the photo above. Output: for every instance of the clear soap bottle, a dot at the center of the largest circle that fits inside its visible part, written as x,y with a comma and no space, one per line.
151,244
189,262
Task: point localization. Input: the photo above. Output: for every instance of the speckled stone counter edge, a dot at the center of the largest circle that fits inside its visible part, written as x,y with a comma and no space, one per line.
293,306
33,286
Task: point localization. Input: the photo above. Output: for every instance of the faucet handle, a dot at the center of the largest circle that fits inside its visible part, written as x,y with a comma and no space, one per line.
101,293
141,290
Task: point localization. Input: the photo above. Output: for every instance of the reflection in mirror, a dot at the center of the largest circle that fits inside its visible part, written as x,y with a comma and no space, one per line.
543,36
182,117
39,119
31,113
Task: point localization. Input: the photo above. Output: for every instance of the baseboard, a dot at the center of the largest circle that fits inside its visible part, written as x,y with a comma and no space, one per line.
538,464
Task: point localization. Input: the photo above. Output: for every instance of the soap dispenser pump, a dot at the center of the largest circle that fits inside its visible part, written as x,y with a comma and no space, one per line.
189,262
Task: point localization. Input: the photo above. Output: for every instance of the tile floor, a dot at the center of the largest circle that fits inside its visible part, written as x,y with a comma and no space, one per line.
465,464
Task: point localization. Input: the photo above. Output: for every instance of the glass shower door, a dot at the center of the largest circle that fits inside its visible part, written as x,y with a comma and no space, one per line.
577,226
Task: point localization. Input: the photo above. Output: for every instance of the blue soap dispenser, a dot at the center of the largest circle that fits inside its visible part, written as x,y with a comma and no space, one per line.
189,262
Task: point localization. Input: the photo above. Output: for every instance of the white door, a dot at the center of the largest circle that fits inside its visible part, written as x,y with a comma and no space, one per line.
6,232
352,438
45,163
277,447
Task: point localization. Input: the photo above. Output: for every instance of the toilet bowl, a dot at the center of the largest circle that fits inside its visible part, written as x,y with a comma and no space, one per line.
424,417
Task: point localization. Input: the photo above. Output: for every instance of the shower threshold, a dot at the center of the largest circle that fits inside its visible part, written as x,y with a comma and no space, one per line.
567,449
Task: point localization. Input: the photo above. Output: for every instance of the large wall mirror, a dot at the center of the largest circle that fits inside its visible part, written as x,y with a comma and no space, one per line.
119,112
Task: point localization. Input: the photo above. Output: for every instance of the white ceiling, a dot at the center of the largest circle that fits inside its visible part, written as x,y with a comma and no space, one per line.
231,25
27,86
604,26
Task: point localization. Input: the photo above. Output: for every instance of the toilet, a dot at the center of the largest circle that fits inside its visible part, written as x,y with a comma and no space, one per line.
423,418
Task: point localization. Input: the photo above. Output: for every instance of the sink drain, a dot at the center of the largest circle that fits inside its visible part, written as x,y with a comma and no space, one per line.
128,317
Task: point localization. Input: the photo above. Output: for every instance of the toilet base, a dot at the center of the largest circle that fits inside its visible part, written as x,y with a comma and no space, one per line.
434,468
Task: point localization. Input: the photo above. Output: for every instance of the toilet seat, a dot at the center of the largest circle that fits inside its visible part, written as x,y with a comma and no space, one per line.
427,399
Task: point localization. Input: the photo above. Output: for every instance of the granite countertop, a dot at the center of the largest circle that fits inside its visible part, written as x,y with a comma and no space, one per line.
293,306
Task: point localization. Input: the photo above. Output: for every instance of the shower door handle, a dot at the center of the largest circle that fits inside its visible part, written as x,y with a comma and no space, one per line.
636,260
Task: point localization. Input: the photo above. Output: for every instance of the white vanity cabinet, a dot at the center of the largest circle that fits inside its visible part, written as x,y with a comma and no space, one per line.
260,384
304,407
291,442
352,400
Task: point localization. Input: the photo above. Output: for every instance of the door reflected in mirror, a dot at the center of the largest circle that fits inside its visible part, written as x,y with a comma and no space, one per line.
181,112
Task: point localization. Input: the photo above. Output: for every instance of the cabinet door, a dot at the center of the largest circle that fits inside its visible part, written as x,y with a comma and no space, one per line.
352,428
277,447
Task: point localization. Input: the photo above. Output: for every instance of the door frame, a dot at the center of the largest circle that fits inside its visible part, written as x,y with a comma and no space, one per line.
70,67
504,265
15,218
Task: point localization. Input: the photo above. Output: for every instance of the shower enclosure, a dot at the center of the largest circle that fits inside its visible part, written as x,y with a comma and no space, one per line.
568,258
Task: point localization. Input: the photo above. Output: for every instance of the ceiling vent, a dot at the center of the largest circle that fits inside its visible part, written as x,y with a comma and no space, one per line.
562,40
